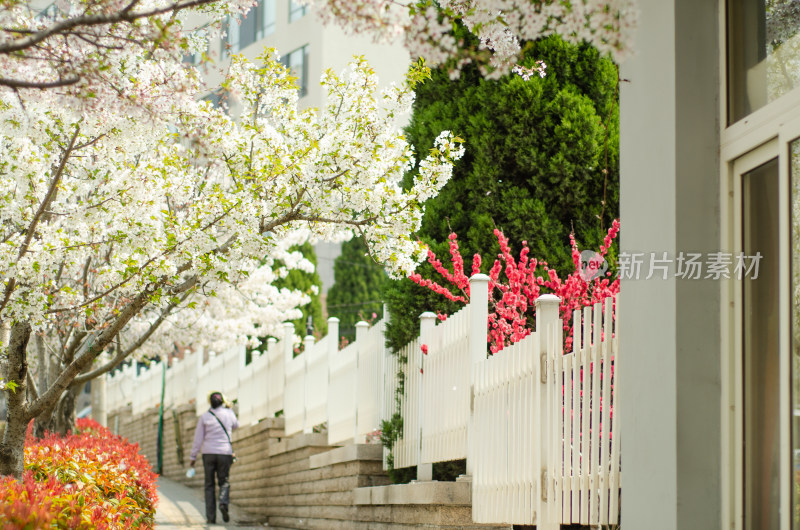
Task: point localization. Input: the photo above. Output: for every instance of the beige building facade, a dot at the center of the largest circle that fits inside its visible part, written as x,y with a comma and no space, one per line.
710,165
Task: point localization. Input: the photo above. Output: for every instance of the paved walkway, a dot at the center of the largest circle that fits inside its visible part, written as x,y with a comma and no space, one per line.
180,507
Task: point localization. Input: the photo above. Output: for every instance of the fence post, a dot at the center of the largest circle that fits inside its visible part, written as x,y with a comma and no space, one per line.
333,349
333,334
288,343
384,415
243,360
478,325
546,321
361,333
308,344
427,323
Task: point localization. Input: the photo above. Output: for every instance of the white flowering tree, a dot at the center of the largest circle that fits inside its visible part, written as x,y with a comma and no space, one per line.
426,28
130,212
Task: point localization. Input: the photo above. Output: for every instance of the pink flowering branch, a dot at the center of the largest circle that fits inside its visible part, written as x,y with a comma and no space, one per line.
515,284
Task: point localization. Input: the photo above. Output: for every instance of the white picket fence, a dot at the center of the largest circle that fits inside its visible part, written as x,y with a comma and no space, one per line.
535,425
322,385
586,466
550,424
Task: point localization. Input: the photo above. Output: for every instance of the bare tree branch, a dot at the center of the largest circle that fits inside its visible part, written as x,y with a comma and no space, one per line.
66,26
123,354
41,85
89,350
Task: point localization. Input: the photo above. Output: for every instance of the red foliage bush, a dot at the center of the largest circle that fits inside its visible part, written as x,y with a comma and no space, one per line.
90,479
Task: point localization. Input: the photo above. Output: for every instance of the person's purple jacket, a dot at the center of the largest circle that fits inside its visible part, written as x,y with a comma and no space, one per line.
209,438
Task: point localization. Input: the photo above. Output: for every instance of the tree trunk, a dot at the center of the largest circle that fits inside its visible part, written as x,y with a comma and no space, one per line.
58,419
12,448
44,423
64,416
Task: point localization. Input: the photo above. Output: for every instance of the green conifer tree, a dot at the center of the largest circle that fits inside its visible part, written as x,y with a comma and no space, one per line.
356,292
541,160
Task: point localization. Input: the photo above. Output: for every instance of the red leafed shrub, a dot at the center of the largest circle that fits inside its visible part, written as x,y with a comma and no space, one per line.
91,479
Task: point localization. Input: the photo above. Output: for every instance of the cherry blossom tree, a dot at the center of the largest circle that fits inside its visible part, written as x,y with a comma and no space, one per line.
116,223
426,27
75,45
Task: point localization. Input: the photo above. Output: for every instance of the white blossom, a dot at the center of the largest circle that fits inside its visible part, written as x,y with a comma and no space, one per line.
499,25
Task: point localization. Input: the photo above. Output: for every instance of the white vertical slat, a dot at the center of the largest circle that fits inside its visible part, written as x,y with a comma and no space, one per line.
557,407
585,414
341,394
615,440
316,382
358,391
294,395
506,431
568,437
605,446
594,450
391,364
371,358
577,337
279,353
528,362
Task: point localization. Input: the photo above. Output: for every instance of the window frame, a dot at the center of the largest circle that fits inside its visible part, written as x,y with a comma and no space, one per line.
762,135
302,80
295,8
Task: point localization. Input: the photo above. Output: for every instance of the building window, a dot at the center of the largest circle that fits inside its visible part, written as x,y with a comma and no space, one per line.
49,14
297,63
258,23
761,351
296,10
763,53
268,19
218,99
230,44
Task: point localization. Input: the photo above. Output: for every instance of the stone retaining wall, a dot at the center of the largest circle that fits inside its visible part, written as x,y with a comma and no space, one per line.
300,482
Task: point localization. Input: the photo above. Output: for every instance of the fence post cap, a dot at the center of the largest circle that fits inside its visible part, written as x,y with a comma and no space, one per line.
288,325
427,315
548,299
272,340
362,324
479,278
333,319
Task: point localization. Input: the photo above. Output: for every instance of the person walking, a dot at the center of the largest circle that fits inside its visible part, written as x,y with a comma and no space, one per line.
212,438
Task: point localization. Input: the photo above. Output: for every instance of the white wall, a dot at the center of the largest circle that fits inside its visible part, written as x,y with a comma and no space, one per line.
669,201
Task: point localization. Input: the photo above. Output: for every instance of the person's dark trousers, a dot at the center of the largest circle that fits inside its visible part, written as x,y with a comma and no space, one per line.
219,465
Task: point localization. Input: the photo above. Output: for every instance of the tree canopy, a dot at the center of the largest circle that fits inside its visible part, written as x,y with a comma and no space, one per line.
122,227
541,161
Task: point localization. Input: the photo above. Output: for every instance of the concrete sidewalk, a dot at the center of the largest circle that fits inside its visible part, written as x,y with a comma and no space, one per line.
180,507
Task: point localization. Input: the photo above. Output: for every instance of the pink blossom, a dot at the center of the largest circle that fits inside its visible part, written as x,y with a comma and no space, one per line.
511,300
